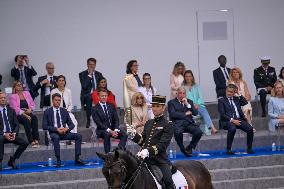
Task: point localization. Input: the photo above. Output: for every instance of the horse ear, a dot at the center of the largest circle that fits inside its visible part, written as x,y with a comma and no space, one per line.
101,155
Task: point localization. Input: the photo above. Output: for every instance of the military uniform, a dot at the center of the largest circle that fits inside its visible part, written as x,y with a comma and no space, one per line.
264,78
156,137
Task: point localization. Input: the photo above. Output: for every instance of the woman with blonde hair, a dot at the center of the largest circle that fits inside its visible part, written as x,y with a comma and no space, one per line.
276,106
176,78
236,78
139,111
23,104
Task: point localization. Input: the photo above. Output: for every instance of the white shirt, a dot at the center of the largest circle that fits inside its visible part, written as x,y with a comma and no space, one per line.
223,71
47,89
147,94
4,126
235,107
102,105
55,119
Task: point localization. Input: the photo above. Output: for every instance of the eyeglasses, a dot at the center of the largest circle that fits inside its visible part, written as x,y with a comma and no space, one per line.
50,68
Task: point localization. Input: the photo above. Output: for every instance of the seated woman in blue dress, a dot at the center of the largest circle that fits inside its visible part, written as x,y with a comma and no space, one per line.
193,92
276,106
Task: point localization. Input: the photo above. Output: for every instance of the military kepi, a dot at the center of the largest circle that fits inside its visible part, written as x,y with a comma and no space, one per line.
265,60
158,99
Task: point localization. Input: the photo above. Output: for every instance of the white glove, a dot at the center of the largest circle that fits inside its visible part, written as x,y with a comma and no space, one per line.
143,153
130,130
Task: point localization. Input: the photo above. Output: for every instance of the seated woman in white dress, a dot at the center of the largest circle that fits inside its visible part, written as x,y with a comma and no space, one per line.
236,78
276,106
176,78
66,100
148,91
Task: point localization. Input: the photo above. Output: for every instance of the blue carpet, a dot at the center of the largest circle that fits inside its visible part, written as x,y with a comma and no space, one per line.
69,165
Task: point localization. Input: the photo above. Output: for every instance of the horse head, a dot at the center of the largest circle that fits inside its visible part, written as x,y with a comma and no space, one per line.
118,167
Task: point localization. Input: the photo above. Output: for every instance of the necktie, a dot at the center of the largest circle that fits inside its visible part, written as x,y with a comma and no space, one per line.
227,77
106,113
233,108
22,76
58,119
51,82
7,125
94,81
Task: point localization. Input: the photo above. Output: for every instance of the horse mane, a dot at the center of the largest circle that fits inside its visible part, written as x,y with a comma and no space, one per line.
127,152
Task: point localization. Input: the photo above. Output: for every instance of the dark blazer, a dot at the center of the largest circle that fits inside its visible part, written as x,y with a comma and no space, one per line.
156,137
12,118
261,80
220,81
0,80
87,83
177,111
29,73
42,88
101,120
226,112
48,120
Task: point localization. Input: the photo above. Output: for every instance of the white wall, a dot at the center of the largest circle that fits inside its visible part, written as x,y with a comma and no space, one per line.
156,33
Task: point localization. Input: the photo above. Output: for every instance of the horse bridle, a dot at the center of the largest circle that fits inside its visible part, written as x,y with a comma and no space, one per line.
123,173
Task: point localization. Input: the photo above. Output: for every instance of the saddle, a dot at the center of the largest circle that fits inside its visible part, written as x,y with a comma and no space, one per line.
157,173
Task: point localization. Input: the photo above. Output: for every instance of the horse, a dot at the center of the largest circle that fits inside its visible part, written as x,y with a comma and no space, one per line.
123,170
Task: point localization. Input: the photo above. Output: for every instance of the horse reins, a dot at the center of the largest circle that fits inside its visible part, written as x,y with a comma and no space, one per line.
123,172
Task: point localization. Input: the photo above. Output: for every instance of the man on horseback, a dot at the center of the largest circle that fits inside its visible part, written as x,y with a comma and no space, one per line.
155,139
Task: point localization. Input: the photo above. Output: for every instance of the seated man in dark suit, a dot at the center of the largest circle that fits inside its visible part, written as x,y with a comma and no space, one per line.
233,118
106,118
46,83
0,80
9,128
55,120
89,79
181,111
24,72
264,79
221,76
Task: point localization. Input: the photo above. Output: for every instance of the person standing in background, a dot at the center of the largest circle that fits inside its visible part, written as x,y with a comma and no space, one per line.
281,75
89,79
131,82
221,76
24,73
264,78
176,78
148,91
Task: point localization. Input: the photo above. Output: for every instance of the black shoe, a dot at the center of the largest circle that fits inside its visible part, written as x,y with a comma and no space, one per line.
263,114
186,153
0,166
250,151
88,124
11,163
188,149
230,152
69,142
79,162
58,163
